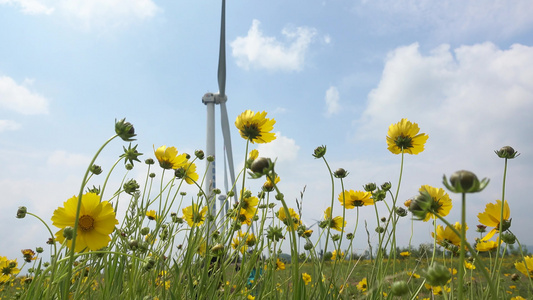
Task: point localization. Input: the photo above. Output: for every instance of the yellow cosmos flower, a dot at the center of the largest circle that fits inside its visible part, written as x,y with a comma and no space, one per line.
518,298
527,267
193,215
253,154
351,199
280,265
362,285
151,215
268,186
469,265
96,222
250,297
255,127
307,278
442,203
285,219
336,223
405,254
337,255
446,237
491,217
168,157
414,275
437,290
188,172
248,208
484,246
8,269
28,255
404,136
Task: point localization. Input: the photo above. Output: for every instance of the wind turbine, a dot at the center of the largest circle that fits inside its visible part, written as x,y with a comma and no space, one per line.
210,100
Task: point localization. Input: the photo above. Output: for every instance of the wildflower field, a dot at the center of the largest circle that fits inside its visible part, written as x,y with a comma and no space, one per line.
168,246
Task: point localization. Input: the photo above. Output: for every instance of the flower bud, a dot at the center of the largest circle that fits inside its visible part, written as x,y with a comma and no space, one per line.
133,244
199,154
130,155
39,249
508,238
145,230
515,277
420,205
131,186
400,211
261,165
481,228
319,152
308,246
125,130
399,288
349,236
149,264
210,158
68,232
21,212
279,196
128,167
383,219
149,161
340,173
386,186
437,275
507,152
217,249
336,237
180,173
465,182
370,187
380,229
95,169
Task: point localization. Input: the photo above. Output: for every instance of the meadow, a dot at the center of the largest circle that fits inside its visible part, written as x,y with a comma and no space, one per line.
168,246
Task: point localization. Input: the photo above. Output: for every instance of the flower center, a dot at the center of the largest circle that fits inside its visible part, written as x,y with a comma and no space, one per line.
251,131
6,271
86,223
404,142
358,203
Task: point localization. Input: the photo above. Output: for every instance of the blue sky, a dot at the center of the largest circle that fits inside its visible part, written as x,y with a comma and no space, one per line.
333,73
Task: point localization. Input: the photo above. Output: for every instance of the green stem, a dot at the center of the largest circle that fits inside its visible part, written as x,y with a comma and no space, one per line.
67,280
462,248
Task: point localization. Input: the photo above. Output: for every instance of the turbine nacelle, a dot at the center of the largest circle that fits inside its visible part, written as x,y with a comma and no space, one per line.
214,98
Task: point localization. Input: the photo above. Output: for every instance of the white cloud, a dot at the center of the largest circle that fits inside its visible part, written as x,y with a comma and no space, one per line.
6,125
94,13
30,7
62,159
263,52
107,13
283,149
18,98
470,101
332,101
453,18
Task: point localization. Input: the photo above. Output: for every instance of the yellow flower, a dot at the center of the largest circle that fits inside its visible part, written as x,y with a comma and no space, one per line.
307,278
484,246
162,280
28,255
491,217
414,275
285,219
351,199
446,237
96,222
518,298
8,269
253,154
248,208
255,127
193,215
437,290
151,215
336,223
249,241
362,285
168,157
442,203
337,255
407,203
469,265
250,297
453,271
405,253
268,186
527,267
280,265
188,172
404,136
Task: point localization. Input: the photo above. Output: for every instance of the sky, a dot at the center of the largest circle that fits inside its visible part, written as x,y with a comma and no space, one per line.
335,73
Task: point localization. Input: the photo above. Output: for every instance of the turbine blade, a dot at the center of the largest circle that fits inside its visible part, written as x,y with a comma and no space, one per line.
222,53
227,144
